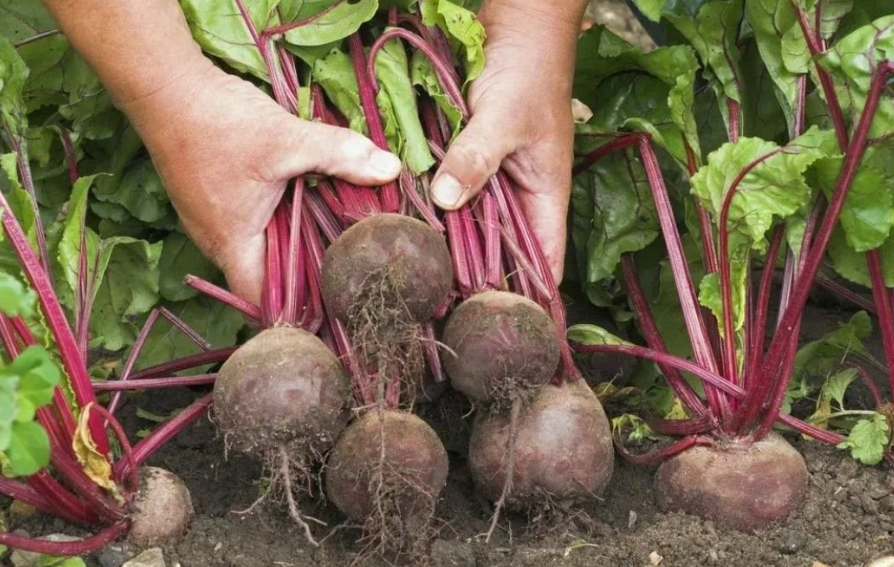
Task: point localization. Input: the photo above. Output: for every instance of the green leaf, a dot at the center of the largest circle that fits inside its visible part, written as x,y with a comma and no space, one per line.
618,82
137,189
325,21
335,74
422,73
712,28
28,450
8,385
822,357
122,273
20,20
219,28
868,213
851,62
612,213
20,204
16,300
593,335
833,390
463,29
868,439
778,36
13,74
37,375
179,258
215,322
393,74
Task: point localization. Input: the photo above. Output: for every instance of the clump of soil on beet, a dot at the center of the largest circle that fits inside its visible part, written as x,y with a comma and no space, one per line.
386,472
741,485
499,346
282,397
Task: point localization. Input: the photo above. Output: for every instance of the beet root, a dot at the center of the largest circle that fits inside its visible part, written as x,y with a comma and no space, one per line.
739,486
562,449
499,344
387,470
392,255
282,389
162,509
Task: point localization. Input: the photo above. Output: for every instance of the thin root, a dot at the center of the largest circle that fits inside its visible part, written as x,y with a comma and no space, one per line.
510,468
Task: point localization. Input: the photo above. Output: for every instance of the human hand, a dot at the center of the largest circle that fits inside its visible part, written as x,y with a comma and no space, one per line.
225,152
521,117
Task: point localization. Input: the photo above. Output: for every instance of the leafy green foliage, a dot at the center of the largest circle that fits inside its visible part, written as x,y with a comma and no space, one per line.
868,439
613,213
462,28
26,384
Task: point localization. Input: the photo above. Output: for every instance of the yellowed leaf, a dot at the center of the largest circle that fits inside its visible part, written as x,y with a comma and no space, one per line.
677,411
94,463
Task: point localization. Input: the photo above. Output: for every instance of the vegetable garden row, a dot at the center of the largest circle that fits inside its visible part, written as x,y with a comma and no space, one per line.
719,181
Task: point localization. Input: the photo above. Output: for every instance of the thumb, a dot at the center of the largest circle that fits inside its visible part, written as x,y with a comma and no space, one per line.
472,159
314,147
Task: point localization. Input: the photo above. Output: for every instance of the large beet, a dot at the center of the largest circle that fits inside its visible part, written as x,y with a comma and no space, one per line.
737,485
387,257
282,389
387,455
499,343
563,448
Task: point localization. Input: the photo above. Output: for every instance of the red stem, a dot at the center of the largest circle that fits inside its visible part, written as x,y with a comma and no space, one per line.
775,358
154,383
885,310
247,308
663,453
640,305
66,548
162,434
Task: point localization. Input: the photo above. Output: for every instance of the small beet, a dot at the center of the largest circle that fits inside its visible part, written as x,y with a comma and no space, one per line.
162,509
499,343
740,486
404,258
563,448
387,455
282,389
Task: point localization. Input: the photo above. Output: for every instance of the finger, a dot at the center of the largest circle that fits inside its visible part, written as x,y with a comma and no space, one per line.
243,267
472,159
547,214
340,152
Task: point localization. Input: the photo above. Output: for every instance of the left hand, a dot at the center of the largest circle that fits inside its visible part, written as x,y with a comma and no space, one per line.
521,118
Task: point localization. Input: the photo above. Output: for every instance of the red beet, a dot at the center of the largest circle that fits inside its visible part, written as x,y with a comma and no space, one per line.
563,448
498,344
282,389
392,259
744,486
387,460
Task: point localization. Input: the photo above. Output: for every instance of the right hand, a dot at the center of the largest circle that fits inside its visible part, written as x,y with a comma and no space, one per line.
225,152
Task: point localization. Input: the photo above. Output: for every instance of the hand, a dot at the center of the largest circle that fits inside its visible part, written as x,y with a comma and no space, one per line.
225,152
521,119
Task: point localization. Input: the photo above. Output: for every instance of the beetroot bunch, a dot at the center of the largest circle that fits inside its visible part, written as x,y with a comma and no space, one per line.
371,292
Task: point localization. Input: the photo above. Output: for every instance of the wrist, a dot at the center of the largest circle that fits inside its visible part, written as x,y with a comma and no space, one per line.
537,17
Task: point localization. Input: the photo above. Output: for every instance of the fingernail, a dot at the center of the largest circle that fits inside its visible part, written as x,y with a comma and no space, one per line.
385,163
446,191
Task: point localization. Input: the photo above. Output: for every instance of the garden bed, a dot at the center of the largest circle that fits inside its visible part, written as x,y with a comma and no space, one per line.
846,520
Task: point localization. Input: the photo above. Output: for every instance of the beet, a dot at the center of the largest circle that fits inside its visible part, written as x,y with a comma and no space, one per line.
162,509
499,343
282,389
399,448
563,449
391,258
744,486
